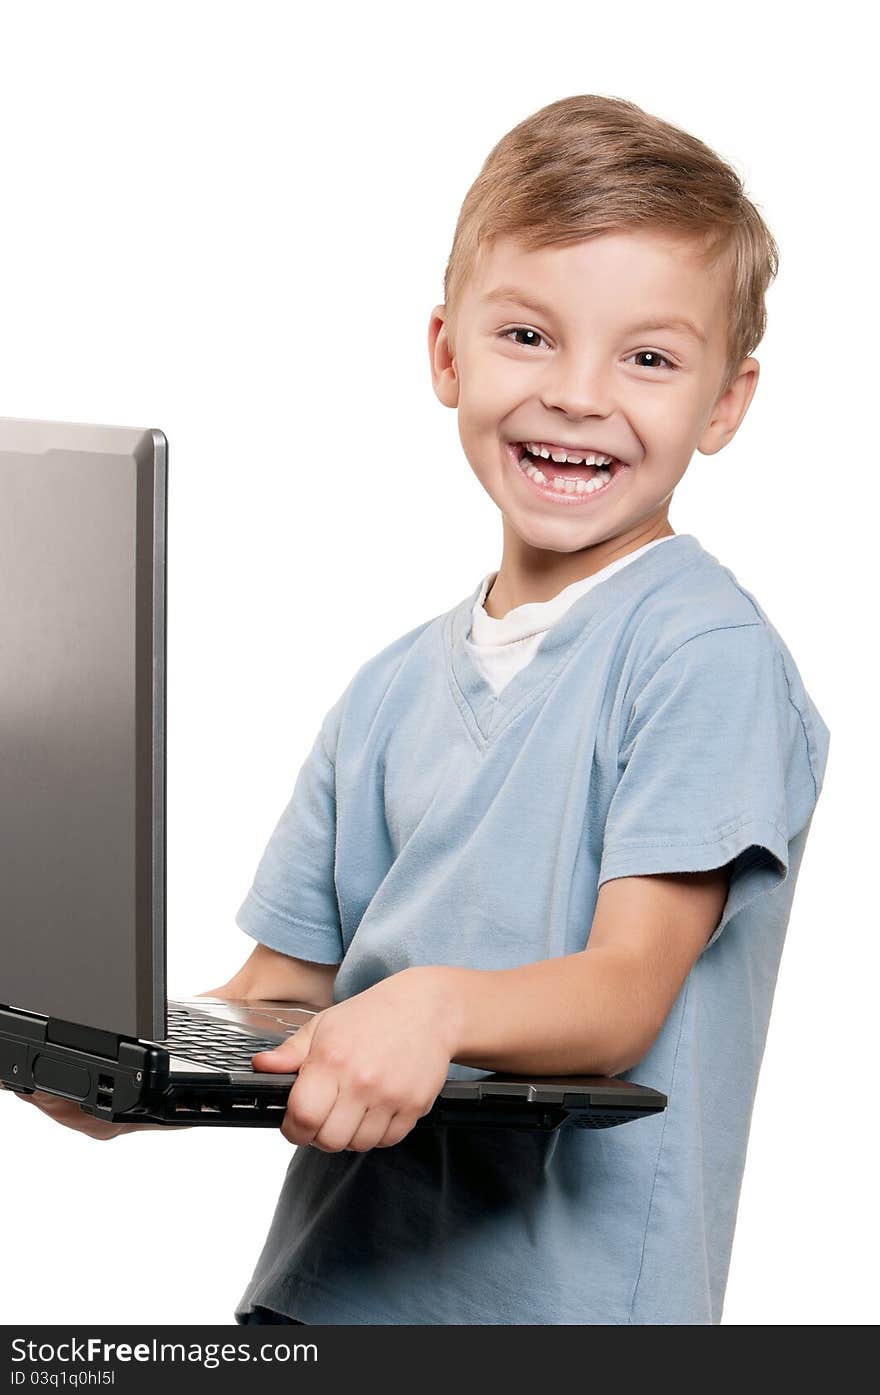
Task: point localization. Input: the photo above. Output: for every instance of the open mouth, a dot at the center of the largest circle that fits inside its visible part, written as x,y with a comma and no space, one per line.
562,480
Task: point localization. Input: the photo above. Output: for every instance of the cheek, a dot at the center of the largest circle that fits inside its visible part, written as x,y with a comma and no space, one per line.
487,396
488,468
667,432
481,442
487,471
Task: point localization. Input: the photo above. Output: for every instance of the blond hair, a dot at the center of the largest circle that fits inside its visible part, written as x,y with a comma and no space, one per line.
587,165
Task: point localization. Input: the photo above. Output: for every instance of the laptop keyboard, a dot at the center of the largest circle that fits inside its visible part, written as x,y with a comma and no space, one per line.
213,1043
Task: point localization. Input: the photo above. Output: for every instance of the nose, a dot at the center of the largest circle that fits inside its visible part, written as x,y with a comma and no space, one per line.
576,391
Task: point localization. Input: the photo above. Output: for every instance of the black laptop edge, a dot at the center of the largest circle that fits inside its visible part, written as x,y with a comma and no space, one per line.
118,1079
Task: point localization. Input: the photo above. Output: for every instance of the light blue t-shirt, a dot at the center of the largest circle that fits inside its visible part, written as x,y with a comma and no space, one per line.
661,726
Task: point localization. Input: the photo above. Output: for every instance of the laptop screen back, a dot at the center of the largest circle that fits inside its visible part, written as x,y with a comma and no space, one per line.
82,709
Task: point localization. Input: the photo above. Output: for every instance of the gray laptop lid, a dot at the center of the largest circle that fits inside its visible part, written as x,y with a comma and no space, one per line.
83,514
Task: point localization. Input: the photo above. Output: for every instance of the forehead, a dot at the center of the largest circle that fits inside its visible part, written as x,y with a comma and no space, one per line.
610,275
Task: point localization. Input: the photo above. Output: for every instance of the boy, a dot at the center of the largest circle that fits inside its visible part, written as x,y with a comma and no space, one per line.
556,829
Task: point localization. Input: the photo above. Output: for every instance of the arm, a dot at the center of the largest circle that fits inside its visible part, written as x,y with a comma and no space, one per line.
599,1011
369,1067
277,977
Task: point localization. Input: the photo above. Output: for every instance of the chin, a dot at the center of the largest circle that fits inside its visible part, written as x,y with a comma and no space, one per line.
555,536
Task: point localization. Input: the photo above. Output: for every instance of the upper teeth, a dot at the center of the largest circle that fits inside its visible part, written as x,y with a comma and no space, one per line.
562,457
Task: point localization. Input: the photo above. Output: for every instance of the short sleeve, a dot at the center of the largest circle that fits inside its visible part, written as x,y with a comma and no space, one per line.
721,760
292,904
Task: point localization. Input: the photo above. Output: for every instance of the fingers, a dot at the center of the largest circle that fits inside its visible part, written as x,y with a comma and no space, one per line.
68,1113
343,1122
374,1129
284,1059
51,1103
309,1104
321,1116
398,1128
289,1055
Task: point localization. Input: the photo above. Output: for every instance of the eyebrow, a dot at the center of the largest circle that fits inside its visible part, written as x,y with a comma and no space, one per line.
517,297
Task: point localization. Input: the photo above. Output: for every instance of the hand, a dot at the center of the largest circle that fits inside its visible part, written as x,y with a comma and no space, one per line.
68,1112
370,1066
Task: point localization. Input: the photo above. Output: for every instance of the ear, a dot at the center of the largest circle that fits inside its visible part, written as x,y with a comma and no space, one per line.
444,375
730,409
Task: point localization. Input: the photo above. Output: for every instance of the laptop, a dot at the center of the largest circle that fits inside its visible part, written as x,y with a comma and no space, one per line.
84,1012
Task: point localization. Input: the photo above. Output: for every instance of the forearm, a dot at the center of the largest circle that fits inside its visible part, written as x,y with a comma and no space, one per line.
273,976
581,1014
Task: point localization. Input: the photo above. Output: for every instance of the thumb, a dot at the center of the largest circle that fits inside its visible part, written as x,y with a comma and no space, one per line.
290,1054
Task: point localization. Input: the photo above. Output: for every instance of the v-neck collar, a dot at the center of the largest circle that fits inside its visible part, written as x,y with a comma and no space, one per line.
485,713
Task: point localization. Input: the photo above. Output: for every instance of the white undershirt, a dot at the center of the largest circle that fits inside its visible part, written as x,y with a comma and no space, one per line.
500,648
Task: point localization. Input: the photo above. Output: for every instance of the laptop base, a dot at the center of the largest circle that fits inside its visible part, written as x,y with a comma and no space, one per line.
140,1082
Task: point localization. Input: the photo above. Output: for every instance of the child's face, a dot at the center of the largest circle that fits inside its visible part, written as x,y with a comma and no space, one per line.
589,375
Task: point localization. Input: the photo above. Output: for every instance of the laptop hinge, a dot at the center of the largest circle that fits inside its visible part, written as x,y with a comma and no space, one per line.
81,1038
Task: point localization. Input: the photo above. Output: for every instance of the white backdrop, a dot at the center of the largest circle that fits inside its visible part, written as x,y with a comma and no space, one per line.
230,221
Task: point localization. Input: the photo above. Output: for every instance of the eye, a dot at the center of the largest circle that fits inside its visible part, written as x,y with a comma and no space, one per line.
521,329
652,353
641,353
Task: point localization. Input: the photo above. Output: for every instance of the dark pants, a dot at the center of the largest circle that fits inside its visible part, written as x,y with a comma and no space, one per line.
267,1315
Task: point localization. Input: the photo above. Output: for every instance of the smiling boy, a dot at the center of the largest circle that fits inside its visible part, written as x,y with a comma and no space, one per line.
558,828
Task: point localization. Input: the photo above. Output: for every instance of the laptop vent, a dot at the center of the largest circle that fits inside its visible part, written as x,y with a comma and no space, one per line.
605,1119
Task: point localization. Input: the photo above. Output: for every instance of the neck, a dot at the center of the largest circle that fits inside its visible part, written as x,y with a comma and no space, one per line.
531,573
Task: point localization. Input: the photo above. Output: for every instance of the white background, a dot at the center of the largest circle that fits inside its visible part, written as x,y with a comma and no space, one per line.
230,221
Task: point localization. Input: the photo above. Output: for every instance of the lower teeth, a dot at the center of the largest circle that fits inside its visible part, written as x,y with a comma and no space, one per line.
566,486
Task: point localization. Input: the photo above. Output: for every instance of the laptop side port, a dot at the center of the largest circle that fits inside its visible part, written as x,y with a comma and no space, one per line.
210,1108
249,1104
105,1082
103,1100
